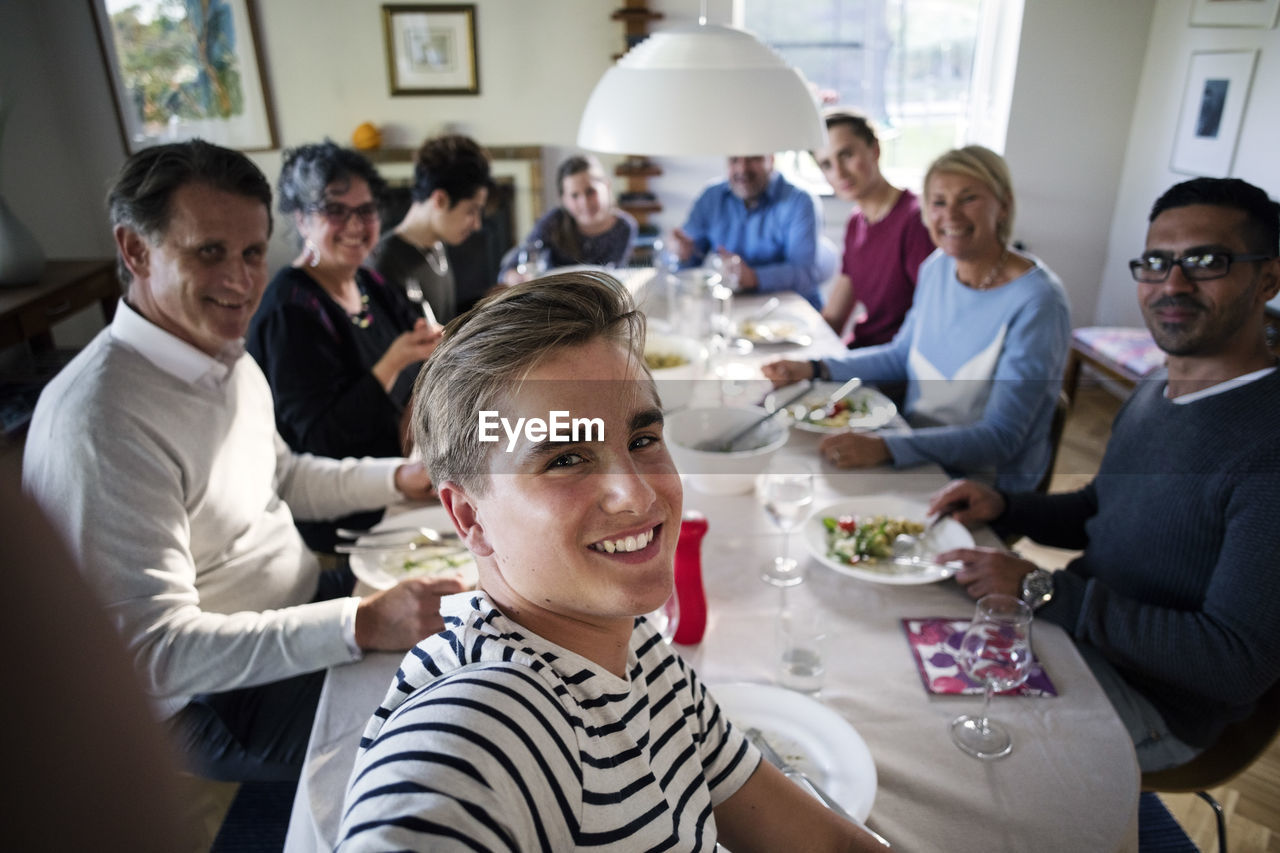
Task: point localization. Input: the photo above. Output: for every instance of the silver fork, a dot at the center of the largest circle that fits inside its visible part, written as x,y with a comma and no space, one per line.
413,290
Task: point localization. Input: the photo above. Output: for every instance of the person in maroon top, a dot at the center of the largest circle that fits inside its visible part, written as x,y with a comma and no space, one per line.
884,242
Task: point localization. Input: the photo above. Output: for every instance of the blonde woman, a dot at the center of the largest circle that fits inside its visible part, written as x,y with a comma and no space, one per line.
982,349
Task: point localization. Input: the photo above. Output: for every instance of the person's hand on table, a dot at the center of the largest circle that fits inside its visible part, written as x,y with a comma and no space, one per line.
969,502
396,619
746,277
988,570
414,483
786,372
854,450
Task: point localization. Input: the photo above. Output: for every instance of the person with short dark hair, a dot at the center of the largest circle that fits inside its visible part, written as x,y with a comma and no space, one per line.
761,226
1172,602
451,186
549,714
156,455
585,229
884,243
339,346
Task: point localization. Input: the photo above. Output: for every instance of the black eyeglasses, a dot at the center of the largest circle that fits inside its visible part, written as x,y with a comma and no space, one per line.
340,214
1200,266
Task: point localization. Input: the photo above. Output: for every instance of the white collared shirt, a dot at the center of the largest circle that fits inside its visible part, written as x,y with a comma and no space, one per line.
1225,385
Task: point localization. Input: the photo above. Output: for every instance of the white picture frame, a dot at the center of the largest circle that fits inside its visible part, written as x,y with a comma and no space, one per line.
186,78
1213,108
1234,13
431,50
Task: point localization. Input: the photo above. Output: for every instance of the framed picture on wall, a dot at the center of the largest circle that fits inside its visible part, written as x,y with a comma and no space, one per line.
431,50
1213,106
1234,13
182,70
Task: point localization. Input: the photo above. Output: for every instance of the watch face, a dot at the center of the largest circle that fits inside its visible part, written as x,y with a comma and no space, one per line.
1037,588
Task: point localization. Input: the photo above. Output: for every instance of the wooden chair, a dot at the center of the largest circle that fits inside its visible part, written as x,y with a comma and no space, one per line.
1056,426
1239,746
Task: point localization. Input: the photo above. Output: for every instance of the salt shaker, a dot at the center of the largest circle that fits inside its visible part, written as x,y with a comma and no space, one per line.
690,597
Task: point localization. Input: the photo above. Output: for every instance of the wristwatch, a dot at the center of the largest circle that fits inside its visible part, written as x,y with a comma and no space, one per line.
1037,588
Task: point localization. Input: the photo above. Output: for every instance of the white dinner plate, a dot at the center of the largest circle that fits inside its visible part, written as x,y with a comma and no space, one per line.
776,329
810,735
880,409
947,534
385,569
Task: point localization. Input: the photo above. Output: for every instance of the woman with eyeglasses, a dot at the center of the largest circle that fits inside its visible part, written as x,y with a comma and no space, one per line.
982,349
340,347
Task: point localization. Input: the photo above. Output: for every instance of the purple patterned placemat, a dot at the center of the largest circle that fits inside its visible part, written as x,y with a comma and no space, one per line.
934,643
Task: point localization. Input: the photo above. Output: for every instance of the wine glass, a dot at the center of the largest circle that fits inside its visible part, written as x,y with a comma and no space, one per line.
996,650
785,498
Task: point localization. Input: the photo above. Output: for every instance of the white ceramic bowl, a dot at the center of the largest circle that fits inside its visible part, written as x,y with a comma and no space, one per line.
723,473
675,384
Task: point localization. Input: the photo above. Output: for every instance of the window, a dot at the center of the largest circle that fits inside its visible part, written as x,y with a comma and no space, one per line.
933,74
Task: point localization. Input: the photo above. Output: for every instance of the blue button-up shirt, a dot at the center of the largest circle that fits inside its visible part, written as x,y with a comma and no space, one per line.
778,237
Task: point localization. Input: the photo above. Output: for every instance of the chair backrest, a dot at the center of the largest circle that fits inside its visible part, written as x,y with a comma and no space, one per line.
1056,426
1236,748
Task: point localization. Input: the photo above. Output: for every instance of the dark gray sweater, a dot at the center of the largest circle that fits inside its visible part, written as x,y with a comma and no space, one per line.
1179,583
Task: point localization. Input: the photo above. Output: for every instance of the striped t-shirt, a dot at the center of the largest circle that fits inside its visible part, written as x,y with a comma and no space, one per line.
493,739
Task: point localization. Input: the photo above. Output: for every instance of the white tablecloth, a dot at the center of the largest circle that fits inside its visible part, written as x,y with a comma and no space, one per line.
1071,783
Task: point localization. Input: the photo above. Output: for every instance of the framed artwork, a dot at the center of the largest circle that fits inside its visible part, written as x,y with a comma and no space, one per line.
431,50
1234,13
180,70
1213,106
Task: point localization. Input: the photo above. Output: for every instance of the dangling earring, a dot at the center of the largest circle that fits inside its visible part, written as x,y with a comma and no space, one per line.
312,254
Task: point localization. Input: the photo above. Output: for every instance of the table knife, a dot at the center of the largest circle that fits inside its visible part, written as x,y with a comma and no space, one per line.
798,776
391,547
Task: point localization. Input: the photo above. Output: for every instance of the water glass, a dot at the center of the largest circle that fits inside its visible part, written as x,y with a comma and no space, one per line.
801,640
996,651
786,498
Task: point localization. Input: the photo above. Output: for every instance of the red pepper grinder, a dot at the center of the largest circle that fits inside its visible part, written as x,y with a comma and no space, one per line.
690,598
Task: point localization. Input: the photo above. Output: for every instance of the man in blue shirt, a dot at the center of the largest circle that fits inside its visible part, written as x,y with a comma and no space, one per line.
762,224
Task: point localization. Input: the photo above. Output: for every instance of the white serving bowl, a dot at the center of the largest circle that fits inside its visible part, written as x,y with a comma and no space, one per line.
675,384
723,473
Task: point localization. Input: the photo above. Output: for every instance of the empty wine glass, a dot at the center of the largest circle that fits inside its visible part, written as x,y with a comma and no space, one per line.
996,651
786,498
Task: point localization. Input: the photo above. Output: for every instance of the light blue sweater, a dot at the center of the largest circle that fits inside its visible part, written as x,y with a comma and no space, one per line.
983,370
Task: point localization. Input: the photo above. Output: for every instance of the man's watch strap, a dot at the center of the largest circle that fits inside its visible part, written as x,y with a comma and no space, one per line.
1037,588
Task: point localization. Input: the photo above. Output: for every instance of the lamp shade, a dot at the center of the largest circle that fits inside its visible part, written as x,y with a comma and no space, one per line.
701,91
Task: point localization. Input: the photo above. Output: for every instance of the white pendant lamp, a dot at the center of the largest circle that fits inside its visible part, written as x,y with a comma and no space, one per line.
701,90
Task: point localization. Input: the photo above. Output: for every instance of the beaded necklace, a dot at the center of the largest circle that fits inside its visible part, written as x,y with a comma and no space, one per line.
363,319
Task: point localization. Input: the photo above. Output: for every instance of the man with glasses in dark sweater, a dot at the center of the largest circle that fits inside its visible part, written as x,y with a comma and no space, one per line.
1172,603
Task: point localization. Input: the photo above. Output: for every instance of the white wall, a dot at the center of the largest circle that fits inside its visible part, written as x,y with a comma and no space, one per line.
1078,71
1155,115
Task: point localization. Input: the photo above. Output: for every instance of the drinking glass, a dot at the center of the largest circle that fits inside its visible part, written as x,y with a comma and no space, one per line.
786,498
801,638
533,260
996,651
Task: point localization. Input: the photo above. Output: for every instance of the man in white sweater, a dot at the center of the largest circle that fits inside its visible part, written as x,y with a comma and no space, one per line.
155,453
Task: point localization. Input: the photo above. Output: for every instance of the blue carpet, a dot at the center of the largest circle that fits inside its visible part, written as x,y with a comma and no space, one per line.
257,820
1158,832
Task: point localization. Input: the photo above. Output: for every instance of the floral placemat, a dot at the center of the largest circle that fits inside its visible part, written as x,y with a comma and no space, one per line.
935,642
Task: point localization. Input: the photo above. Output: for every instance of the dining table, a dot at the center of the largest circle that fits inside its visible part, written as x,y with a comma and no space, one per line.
1071,782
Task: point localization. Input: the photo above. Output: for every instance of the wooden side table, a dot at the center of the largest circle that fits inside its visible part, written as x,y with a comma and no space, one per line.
28,313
